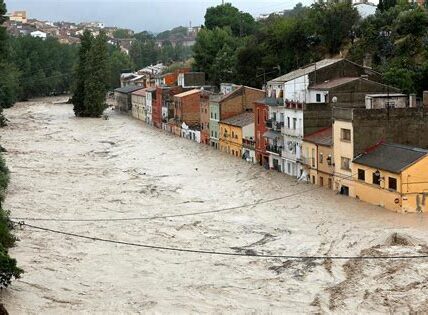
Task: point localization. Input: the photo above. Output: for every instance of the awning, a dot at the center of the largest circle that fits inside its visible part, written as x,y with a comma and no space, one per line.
272,134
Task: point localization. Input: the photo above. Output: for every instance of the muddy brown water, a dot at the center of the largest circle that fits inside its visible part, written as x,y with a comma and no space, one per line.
64,167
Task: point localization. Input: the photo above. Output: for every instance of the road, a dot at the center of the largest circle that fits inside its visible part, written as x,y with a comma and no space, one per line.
69,168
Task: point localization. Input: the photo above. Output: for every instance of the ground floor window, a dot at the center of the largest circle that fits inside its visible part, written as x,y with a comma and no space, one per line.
361,174
392,183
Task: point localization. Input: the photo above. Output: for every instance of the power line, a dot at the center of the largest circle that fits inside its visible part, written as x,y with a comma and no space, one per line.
175,215
220,253
172,215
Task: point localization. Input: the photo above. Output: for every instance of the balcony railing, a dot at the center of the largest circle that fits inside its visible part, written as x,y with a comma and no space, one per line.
249,144
277,126
298,133
274,149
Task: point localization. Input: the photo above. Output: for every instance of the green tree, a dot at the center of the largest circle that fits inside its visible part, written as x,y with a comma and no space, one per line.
81,75
334,23
122,34
119,62
96,83
226,15
208,44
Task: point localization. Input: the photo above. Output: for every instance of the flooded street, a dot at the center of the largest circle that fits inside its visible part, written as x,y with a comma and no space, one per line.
68,168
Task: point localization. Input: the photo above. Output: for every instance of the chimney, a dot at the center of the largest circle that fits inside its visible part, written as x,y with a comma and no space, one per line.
412,100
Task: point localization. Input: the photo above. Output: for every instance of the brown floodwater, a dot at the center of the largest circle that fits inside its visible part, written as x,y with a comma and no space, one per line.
63,167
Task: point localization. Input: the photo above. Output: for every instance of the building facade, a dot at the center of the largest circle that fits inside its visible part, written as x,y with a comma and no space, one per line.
399,183
318,157
261,112
233,132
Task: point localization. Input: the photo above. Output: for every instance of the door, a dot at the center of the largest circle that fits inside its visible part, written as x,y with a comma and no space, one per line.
321,181
330,183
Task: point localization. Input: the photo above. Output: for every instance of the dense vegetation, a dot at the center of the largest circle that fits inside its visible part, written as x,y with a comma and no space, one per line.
8,265
91,81
144,50
234,47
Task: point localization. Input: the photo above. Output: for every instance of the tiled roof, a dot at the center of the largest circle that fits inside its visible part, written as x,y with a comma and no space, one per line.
321,137
333,83
129,89
141,92
240,120
391,157
187,93
305,70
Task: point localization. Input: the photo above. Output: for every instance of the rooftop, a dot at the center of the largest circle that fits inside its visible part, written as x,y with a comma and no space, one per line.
393,158
240,120
321,137
129,89
141,92
386,95
194,91
305,70
333,83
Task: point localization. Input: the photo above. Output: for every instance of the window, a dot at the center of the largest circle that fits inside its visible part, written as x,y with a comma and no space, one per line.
233,134
318,98
215,132
294,123
321,158
215,115
376,178
392,183
288,122
211,115
345,134
313,158
345,163
329,160
361,174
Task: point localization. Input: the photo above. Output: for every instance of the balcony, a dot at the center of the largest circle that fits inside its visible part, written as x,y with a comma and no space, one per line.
293,105
274,149
249,144
292,132
277,126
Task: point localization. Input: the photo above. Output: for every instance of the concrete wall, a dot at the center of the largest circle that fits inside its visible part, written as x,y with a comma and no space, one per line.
407,126
353,94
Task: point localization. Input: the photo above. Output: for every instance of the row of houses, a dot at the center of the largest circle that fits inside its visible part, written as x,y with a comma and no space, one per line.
332,123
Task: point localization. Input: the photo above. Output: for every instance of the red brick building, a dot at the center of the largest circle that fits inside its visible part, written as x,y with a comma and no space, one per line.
161,112
205,117
261,115
187,108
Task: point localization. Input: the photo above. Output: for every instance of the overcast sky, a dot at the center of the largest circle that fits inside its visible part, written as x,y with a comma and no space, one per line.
151,15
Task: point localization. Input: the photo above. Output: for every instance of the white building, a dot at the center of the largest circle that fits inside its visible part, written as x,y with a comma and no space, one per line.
150,98
39,34
286,118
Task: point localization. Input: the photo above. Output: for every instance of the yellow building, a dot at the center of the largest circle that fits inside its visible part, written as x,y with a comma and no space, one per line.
232,132
318,158
343,154
393,176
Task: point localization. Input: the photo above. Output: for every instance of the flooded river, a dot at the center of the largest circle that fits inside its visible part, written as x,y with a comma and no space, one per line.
68,168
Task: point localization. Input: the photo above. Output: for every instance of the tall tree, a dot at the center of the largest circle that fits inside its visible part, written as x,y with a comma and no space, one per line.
226,15
82,74
96,83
